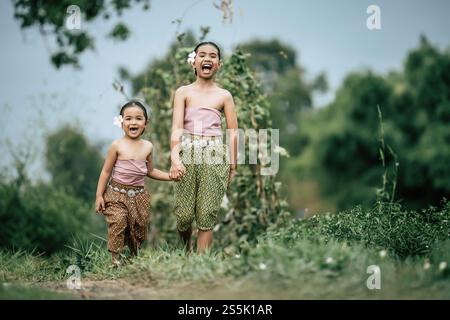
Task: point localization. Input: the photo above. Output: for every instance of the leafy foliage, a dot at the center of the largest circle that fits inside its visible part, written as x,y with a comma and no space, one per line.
41,218
73,163
386,226
49,18
285,83
340,142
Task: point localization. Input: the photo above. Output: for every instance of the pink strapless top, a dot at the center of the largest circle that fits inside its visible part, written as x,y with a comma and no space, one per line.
130,172
203,121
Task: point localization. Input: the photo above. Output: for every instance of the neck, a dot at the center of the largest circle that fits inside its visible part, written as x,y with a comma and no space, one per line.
205,83
132,140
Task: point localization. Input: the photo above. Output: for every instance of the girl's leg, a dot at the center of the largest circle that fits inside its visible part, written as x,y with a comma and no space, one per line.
186,237
115,259
213,179
185,195
204,240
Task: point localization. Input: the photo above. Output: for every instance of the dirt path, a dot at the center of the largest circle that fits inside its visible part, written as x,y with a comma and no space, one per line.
110,289
125,290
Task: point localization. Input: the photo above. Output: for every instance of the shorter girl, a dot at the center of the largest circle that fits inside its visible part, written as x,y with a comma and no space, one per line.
121,196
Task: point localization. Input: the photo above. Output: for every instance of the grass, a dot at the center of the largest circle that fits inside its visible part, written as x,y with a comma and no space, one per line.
290,263
322,257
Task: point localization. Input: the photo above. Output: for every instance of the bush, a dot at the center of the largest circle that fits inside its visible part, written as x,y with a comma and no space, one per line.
41,217
384,227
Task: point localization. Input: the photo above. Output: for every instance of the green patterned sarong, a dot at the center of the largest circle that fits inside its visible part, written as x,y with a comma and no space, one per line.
199,194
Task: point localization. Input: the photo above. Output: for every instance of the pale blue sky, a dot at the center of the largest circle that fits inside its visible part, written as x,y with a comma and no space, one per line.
330,36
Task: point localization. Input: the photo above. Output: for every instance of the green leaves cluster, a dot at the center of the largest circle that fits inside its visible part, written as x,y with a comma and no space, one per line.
385,226
341,141
49,18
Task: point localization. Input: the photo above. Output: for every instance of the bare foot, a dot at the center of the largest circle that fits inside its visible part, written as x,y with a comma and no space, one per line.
115,260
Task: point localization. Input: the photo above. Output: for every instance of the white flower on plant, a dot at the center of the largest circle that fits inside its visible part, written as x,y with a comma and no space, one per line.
282,151
117,121
237,256
442,266
426,265
262,266
383,253
225,202
329,260
191,57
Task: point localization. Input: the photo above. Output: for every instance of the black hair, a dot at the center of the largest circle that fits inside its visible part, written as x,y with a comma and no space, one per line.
134,103
203,43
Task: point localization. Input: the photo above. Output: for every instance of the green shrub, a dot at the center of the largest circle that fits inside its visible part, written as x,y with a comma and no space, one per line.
42,218
385,227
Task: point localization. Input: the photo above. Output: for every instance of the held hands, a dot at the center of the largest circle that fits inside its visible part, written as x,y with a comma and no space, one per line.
177,171
99,205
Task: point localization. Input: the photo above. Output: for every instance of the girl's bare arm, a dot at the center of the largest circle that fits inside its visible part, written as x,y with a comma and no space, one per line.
177,130
105,174
155,173
232,125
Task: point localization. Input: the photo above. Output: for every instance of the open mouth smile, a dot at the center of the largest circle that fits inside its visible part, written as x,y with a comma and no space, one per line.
207,67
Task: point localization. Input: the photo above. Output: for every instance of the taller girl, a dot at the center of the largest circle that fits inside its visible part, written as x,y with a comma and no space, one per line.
196,135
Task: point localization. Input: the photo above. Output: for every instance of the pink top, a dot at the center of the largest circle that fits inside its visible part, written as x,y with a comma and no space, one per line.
203,121
130,172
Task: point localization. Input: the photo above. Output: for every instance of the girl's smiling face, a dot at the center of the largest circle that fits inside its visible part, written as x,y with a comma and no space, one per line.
207,61
134,122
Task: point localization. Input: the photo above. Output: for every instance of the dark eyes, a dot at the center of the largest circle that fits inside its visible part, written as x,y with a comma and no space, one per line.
202,55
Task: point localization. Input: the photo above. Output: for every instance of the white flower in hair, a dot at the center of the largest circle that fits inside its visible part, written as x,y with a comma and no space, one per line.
117,121
191,57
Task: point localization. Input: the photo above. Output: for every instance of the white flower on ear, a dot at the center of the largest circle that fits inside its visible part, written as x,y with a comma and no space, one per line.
191,57
117,121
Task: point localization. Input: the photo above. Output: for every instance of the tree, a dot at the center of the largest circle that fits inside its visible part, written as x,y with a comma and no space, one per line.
51,19
73,163
342,140
283,80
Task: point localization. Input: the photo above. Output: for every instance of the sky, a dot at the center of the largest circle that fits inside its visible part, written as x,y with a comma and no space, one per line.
330,36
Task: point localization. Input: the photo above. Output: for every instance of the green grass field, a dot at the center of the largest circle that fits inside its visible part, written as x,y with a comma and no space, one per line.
302,261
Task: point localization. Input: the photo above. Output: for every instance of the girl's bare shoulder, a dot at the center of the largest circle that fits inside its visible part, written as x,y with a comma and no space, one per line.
221,90
224,93
183,90
116,144
147,145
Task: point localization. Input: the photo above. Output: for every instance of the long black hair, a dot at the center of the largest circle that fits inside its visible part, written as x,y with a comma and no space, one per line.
210,43
134,103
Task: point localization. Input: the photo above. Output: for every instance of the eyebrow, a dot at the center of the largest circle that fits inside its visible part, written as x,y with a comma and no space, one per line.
216,53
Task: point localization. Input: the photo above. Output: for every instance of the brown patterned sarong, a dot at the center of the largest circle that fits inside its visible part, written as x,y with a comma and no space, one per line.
127,216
